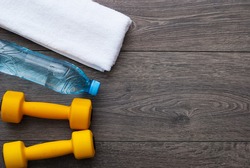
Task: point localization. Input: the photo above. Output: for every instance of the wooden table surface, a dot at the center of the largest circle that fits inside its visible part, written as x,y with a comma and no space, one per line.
178,96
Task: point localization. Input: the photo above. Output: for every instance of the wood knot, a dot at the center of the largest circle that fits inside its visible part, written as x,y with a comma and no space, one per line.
181,119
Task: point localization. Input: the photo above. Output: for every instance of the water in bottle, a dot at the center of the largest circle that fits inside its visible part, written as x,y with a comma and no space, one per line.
58,75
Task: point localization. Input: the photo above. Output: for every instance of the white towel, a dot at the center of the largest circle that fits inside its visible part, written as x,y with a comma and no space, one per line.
82,30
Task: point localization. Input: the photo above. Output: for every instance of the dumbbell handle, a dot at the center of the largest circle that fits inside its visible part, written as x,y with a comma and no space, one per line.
48,150
45,110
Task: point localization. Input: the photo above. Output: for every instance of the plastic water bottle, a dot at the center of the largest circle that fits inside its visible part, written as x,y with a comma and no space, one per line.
58,75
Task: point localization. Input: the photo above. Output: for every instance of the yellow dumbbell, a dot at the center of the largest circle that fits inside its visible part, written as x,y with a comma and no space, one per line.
14,107
16,155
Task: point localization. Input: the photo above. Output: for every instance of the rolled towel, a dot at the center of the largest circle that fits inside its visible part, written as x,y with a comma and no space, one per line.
82,30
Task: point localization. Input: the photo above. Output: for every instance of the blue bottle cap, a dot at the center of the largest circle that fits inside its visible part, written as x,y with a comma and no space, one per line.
94,87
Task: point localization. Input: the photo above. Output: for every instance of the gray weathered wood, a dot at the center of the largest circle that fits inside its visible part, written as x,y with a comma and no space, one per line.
165,103
154,97
157,154
166,25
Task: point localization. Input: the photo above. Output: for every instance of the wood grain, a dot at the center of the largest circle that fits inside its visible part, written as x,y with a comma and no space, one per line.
178,96
161,96
166,25
194,25
156,154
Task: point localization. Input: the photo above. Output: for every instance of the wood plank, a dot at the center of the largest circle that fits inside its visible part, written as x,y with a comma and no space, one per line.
166,25
165,103
163,96
156,154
